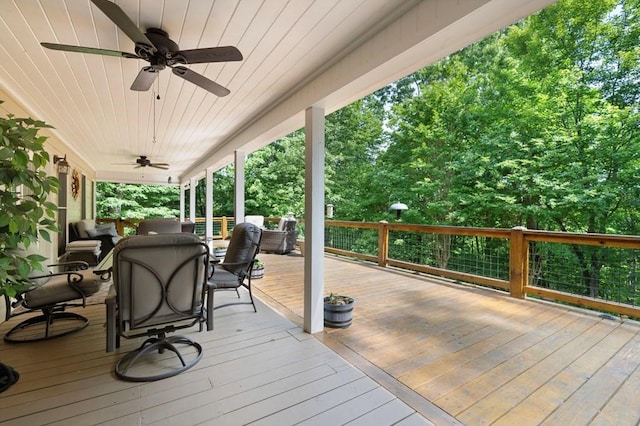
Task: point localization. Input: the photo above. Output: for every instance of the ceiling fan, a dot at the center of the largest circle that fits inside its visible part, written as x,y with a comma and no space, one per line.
143,161
159,50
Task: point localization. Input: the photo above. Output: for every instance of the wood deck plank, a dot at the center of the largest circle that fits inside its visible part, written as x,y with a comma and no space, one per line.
350,409
517,390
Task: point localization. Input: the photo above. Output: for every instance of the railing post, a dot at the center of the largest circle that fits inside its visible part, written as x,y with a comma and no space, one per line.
383,243
223,228
119,227
518,262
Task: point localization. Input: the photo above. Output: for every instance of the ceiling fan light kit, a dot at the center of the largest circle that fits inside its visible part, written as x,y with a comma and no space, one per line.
155,47
143,161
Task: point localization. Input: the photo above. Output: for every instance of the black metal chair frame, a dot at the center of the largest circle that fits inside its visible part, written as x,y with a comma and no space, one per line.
50,312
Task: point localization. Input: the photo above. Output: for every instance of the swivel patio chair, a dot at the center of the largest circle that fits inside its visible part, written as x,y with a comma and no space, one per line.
159,286
235,271
51,293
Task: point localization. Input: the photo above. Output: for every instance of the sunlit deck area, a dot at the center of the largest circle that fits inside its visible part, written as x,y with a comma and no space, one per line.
419,350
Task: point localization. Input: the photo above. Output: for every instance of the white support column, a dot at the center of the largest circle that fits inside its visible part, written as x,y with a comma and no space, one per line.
208,210
238,199
314,220
183,190
193,182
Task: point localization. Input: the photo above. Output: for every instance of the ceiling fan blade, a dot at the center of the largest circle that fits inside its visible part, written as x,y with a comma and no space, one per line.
200,80
145,79
93,50
211,54
159,166
122,21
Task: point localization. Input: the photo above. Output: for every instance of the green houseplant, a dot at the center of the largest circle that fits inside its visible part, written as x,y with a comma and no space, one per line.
24,188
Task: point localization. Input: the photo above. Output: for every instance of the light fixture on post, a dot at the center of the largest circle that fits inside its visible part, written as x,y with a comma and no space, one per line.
62,164
330,211
398,207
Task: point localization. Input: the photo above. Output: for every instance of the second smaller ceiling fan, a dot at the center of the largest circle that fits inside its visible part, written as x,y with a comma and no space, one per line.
143,161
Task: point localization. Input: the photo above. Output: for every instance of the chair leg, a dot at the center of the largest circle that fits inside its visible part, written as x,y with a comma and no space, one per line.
251,297
209,313
48,316
111,325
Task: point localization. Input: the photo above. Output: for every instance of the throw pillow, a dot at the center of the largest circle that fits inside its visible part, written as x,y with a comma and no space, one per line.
109,227
103,229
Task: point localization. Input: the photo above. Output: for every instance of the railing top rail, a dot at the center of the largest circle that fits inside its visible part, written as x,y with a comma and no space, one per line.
604,240
433,229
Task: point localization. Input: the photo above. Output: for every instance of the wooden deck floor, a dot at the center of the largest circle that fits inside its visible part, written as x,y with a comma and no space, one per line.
256,369
481,356
418,349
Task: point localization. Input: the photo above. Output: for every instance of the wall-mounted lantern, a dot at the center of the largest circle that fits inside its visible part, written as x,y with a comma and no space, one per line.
61,164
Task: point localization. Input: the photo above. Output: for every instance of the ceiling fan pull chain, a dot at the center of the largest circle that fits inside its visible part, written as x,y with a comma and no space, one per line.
153,104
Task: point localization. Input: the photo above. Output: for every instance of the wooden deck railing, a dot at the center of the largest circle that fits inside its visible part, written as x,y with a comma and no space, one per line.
597,271
519,252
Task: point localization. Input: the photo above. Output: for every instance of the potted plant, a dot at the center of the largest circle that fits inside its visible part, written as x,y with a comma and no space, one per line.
24,189
257,271
220,251
338,311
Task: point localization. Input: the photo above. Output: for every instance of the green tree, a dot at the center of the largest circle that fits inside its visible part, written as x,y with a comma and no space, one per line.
127,201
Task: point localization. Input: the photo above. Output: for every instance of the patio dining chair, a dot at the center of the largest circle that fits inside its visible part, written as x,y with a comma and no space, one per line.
159,286
235,271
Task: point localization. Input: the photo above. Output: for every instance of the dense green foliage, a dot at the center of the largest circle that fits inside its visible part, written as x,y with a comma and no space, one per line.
534,126
27,214
115,200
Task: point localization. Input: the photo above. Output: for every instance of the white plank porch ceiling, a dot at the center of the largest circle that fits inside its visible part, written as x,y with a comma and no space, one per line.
294,51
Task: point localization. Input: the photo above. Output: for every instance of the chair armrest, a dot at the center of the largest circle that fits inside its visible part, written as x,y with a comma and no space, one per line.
74,265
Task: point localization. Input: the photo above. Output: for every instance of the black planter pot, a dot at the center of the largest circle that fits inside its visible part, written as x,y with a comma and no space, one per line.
338,315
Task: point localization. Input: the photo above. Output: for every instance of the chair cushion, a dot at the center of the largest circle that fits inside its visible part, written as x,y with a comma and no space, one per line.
242,247
93,246
255,219
223,278
57,290
83,225
86,244
143,264
103,229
